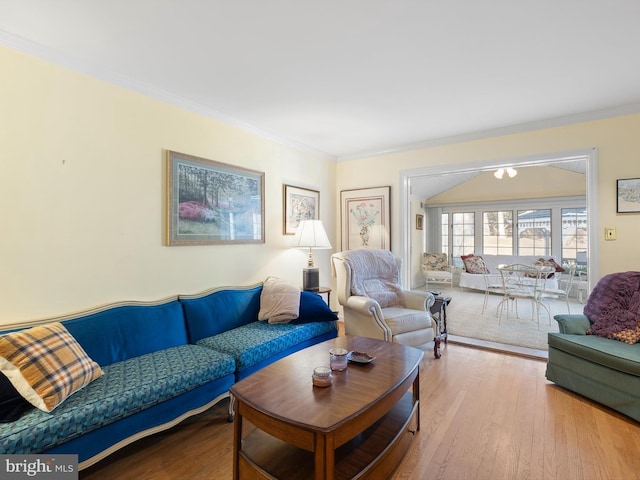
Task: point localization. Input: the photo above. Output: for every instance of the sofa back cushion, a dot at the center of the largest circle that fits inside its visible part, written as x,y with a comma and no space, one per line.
493,261
125,331
221,310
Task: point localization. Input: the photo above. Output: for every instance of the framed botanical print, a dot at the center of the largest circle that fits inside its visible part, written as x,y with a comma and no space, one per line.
365,217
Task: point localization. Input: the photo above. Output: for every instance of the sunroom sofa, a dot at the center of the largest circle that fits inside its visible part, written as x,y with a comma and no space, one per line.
594,354
476,281
162,362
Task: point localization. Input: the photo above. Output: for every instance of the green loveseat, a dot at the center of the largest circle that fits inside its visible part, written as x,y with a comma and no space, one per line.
604,370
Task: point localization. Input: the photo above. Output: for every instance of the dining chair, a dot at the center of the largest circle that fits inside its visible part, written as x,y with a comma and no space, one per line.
524,282
565,284
493,285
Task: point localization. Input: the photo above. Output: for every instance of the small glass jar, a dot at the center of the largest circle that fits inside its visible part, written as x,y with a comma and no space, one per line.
338,359
322,376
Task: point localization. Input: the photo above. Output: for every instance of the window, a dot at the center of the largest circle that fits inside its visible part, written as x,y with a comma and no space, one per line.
574,235
535,227
462,233
497,233
534,232
444,220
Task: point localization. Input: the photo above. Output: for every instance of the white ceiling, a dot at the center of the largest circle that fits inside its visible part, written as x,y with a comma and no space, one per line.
351,78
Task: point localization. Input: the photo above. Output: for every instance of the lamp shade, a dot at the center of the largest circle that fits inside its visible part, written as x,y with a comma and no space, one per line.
311,234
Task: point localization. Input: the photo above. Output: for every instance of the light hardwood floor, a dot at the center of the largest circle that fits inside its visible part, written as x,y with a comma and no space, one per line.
485,415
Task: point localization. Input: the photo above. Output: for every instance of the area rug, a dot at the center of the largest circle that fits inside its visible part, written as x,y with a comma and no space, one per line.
465,319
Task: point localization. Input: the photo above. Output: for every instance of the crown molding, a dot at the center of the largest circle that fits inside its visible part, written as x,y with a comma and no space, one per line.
84,66
618,111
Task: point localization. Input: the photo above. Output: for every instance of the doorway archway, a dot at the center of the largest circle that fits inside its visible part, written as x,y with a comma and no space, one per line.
589,156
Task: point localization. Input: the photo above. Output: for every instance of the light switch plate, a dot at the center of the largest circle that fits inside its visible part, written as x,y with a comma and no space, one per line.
609,233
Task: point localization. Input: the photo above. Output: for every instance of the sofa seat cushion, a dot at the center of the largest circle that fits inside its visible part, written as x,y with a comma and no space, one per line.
402,320
126,388
609,353
257,341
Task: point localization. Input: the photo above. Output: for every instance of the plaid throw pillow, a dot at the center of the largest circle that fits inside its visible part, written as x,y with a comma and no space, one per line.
46,364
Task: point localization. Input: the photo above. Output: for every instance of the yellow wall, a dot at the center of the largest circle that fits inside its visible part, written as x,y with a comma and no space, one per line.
618,143
82,192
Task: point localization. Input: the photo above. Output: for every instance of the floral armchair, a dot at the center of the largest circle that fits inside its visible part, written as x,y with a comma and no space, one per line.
436,268
375,304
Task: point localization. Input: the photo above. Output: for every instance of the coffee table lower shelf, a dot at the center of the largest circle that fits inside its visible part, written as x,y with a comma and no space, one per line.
374,453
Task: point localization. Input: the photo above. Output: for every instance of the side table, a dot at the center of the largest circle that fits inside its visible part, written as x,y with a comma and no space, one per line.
439,308
322,290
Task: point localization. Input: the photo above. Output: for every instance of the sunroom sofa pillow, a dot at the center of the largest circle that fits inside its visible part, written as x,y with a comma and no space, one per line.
46,364
474,264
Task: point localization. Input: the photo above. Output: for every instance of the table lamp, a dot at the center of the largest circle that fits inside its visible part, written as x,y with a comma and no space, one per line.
310,234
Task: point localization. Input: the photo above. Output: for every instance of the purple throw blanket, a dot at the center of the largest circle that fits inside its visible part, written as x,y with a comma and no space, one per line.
614,304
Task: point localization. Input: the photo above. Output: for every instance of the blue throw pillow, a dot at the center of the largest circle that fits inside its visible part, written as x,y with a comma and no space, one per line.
12,405
313,308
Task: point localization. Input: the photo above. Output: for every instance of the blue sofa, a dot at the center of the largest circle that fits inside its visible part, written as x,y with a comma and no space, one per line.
162,361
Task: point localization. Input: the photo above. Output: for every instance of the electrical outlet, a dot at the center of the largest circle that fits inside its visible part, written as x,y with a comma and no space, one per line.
609,233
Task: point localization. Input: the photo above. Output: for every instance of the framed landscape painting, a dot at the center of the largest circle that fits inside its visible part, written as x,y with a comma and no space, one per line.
365,215
628,190
299,204
211,203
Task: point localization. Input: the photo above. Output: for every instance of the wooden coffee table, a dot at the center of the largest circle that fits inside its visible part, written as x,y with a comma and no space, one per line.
361,425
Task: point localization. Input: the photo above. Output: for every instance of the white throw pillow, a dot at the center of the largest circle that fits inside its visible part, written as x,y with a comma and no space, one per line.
279,301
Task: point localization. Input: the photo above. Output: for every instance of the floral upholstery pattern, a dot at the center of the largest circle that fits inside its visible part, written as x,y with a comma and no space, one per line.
436,262
126,388
474,264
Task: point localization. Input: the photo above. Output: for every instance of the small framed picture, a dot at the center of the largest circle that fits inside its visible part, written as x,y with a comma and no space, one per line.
628,191
419,222
299,204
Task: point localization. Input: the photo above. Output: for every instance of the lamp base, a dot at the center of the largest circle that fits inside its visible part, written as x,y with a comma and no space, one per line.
311,279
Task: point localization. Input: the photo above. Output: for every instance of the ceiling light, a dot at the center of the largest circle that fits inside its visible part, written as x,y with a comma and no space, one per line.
512,172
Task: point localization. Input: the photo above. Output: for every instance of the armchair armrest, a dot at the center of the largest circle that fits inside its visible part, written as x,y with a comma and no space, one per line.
364,305
418,300
573,324
365,318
